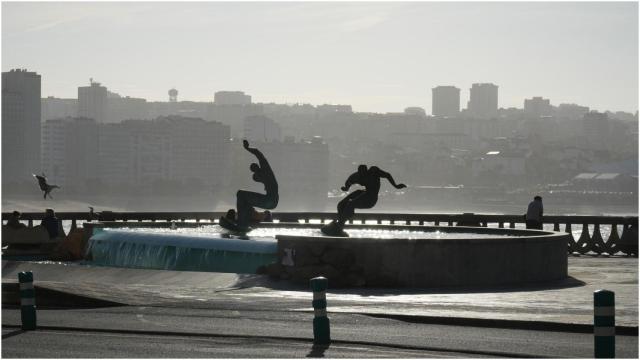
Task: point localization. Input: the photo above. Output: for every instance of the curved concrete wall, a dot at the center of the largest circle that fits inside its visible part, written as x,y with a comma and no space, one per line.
528,256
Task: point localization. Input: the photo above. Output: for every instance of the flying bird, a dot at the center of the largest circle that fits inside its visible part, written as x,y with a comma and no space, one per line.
42,181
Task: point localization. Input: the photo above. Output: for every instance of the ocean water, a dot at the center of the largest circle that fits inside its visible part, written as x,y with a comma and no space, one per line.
576,229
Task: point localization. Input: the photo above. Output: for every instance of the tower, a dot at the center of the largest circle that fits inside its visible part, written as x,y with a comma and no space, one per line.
173,95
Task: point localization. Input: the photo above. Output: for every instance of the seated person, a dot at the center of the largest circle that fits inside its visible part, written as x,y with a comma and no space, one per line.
51,223
14,221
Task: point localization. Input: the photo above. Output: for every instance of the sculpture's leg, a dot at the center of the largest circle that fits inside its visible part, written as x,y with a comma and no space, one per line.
245,200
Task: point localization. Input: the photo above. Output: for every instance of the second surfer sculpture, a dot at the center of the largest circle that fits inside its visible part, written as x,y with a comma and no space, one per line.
359,199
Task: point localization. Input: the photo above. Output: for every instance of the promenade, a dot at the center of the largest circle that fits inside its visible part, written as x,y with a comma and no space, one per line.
568,302
197,314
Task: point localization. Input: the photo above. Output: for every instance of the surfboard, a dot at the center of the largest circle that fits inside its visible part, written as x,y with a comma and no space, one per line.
332,229
232,226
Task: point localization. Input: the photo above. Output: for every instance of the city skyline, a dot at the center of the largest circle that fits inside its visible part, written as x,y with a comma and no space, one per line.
462,106
588,66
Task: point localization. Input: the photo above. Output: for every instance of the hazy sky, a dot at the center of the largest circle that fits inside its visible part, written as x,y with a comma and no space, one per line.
379,57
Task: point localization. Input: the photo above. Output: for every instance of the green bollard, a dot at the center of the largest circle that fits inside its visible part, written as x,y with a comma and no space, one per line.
604,324
27,300
321,333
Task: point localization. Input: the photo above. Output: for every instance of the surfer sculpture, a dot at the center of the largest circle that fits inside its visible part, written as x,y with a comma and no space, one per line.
359,199
247,200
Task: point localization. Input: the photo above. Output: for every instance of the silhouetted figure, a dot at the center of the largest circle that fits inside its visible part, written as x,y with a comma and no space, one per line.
359,199
51,223
94,215
246,200
14,221
42,181
533,218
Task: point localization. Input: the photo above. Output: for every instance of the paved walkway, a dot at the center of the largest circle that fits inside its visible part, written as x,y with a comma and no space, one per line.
566,302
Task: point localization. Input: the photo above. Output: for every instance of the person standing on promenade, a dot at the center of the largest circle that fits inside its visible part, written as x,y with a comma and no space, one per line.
51,223
359,199
533,218
14,221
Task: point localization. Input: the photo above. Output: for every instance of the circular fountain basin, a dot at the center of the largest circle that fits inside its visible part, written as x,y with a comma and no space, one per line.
491,257
373,255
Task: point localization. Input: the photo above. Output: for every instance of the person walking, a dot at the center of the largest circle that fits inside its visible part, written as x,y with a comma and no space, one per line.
533,218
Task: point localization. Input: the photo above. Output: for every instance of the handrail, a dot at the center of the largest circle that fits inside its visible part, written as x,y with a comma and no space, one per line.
627,242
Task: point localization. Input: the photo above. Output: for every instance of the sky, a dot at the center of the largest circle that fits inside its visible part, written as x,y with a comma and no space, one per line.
375,56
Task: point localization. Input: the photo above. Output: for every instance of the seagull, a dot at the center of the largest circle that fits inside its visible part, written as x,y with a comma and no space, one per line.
42,181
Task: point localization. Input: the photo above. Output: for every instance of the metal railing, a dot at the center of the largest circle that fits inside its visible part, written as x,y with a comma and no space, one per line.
625,242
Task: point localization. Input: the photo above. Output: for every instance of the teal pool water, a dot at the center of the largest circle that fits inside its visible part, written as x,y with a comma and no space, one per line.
179,251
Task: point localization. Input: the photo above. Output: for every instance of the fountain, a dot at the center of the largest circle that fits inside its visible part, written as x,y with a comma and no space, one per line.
372,255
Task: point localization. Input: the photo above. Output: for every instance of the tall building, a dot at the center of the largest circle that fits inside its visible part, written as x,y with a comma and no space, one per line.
537,106
483,100
93,102
261,128
69,152
21,112
231,98
172,148
445,101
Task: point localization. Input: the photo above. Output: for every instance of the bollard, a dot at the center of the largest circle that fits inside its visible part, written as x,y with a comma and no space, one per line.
320,321
27,300
604,325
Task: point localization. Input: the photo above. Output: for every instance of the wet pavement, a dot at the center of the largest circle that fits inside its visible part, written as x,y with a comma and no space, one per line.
565,302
